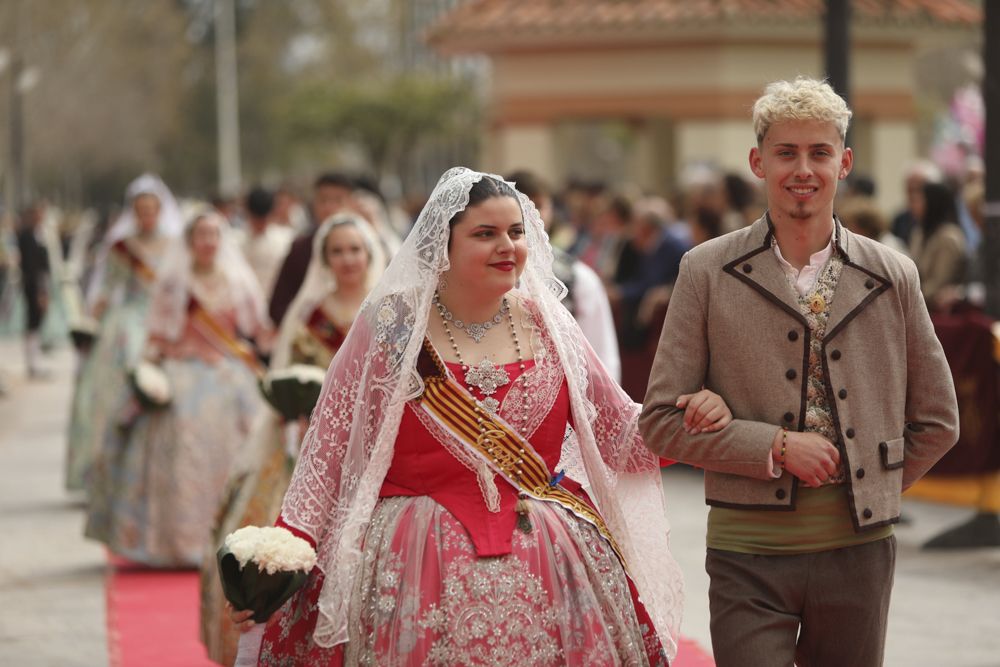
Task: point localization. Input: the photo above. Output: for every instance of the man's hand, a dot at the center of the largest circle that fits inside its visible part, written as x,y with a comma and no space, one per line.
809,456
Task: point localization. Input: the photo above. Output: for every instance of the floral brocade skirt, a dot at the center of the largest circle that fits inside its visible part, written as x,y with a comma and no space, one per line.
423,597
171,465
100,385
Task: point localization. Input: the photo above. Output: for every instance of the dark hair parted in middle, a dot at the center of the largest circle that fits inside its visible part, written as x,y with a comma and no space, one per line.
483,189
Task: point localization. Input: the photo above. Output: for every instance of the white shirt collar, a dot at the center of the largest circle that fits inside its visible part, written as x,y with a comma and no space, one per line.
804,280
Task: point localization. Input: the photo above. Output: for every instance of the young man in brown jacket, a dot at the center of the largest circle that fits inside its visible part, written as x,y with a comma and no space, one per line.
820,343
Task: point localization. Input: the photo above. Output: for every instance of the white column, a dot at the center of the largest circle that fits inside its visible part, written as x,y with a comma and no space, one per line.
643,166
524,147
723,143
227,98
894,148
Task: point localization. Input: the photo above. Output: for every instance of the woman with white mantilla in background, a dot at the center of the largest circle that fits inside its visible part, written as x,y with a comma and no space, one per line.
176,459
347,260
118,298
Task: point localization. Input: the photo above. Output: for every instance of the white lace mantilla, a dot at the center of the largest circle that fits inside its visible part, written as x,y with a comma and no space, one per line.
349,445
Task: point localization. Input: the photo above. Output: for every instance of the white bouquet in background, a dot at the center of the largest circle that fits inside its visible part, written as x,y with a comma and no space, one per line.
151,385
83,330
293,391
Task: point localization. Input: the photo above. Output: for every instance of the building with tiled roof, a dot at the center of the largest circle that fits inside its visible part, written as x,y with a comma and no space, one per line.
678,77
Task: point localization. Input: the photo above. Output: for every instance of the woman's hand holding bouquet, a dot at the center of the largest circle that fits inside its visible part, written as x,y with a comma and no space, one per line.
261,568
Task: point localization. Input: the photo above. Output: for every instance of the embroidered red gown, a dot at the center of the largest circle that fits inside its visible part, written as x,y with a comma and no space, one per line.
445,581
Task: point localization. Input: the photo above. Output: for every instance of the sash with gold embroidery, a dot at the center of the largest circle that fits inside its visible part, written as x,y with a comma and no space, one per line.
502,448
141,269
221,337
325,331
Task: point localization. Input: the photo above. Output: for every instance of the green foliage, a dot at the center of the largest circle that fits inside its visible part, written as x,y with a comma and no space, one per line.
126,87
386,120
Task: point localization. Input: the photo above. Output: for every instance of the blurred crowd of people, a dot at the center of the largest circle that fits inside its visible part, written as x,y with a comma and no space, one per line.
181,313
621,246
631,240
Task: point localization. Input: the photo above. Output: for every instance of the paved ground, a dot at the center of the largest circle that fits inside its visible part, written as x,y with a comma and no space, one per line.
51,579
945,612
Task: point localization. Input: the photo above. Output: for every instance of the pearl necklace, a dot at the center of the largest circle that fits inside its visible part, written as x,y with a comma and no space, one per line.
485,376
474,330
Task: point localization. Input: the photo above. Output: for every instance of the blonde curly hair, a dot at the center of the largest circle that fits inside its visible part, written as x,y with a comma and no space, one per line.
802,99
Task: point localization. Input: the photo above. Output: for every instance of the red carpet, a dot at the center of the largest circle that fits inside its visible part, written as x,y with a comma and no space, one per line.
153,617
690,654
153,620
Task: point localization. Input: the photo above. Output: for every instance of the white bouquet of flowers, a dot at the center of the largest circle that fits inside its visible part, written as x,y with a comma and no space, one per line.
293,391
262,567
83,331
151,385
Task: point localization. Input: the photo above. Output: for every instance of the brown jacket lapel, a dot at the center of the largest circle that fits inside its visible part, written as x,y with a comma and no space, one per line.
757,267
858,285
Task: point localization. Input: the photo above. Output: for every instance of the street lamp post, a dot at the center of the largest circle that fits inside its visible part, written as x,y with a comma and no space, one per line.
837,46
227,98
837,49
990,248
15,139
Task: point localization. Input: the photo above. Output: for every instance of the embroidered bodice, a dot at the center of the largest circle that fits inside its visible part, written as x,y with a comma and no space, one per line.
421,466
130,271
317,340
193,344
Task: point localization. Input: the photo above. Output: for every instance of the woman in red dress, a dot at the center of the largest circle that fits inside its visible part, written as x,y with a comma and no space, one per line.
472,479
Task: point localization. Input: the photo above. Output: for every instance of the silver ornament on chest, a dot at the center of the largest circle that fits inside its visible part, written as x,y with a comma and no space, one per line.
490,405
486,377
476,330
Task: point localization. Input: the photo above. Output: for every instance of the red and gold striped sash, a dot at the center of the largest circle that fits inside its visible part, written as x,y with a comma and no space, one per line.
496,442
220,336
325,331
135,262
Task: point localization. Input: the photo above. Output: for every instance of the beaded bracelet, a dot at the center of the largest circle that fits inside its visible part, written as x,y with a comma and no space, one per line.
784,443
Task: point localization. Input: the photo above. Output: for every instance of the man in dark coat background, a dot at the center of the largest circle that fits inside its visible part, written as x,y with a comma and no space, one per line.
34,265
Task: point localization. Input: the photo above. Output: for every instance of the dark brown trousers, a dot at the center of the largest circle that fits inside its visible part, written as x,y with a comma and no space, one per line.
823,609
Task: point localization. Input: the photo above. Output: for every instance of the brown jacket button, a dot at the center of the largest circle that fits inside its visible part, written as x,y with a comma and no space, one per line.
869,283
835,355
793,336
861,473
789,417
849,433
747,268
790,374
842,393
867,513
780,494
